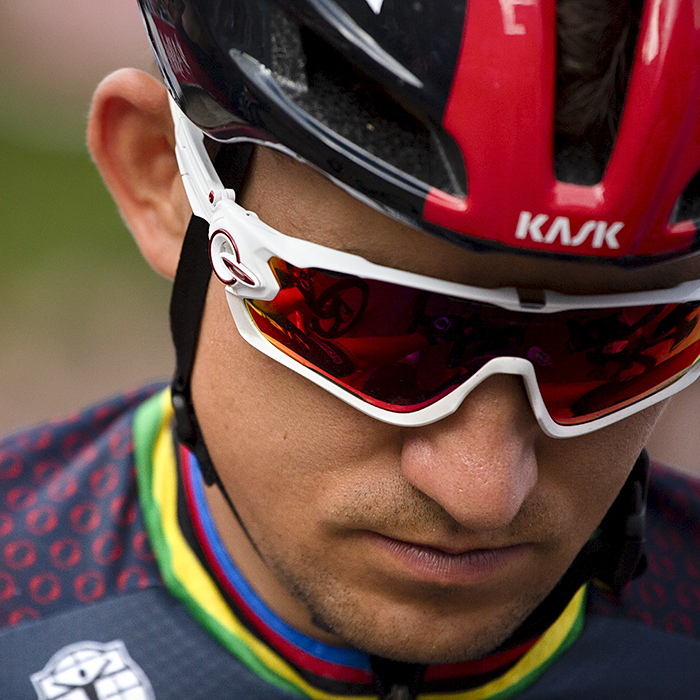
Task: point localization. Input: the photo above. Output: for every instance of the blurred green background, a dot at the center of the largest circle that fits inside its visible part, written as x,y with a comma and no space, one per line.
82,316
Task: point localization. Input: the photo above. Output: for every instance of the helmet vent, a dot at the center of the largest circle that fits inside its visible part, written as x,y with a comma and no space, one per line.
288,61
688,205
596,41
326,85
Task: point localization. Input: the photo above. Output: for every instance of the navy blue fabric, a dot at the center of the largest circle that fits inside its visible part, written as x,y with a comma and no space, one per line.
181,660
71,528
617,659
667,596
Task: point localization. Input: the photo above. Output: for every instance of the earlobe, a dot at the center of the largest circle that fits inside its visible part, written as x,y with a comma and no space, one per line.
130,137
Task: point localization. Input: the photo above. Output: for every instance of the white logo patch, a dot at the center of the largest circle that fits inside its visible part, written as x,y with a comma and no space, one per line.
375,5
604,234
92,671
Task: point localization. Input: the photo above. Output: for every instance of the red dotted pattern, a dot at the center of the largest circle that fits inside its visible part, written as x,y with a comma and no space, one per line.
667,596
71,531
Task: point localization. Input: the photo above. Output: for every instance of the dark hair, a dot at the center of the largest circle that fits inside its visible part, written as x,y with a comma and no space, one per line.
596,40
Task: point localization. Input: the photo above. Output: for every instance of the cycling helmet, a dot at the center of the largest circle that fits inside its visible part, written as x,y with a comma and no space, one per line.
446,115
443,114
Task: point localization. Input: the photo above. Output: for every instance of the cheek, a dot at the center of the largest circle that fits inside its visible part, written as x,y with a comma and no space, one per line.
278,440
590,470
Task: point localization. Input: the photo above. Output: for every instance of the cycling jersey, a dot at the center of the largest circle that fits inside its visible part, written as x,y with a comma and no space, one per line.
114,584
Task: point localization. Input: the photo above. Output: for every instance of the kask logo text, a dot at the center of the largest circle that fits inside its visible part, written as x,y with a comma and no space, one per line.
600,233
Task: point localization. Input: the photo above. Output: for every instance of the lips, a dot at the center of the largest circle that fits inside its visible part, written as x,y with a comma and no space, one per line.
448,566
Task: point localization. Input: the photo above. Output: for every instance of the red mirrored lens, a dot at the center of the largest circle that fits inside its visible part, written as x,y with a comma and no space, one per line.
402,349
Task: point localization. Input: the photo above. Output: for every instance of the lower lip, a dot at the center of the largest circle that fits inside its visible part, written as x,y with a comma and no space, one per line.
437,566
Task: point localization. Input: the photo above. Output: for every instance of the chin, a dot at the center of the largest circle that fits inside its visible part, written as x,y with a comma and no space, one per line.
425,635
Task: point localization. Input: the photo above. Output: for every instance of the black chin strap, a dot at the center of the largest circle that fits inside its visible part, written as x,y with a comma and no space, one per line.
186,309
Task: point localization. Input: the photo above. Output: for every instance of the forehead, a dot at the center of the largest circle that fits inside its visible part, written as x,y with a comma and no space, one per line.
296,200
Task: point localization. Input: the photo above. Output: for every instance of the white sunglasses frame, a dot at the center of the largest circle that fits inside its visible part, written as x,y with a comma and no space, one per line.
240,249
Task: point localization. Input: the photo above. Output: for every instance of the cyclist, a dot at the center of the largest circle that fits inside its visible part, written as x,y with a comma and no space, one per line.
454,281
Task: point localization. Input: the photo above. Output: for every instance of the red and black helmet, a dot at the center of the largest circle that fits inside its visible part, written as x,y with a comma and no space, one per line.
442,113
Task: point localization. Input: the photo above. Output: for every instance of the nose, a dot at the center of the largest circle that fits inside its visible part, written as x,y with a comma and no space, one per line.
478,464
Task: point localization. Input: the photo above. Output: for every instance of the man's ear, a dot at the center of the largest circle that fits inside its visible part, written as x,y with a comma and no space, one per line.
130,136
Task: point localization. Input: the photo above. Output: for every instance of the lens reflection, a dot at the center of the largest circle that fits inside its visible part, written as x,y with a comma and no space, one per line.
402,349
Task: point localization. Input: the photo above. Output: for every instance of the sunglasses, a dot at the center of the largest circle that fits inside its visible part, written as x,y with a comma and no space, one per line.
407,349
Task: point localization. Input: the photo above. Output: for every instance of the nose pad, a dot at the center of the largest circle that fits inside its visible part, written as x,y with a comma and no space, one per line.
479,464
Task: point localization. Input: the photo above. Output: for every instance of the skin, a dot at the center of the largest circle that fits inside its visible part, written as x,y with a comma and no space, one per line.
427,544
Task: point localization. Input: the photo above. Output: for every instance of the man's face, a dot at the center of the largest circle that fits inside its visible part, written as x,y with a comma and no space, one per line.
427,544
